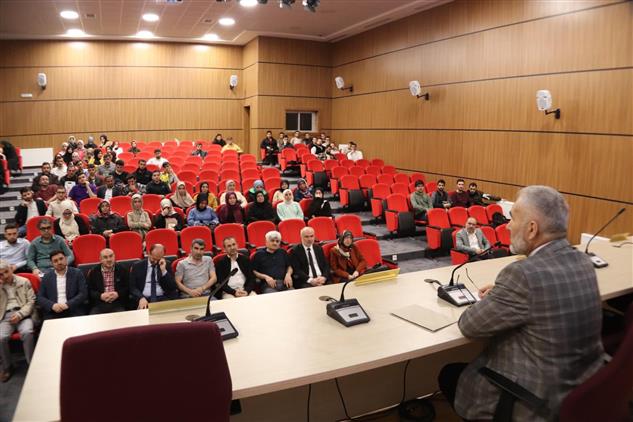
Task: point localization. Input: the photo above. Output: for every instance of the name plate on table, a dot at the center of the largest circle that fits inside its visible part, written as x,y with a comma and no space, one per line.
377,276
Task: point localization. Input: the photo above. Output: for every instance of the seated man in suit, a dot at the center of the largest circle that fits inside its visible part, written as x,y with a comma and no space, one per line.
243,282
151,280
309,266
108,285
272,265
63,290
542,318
471,240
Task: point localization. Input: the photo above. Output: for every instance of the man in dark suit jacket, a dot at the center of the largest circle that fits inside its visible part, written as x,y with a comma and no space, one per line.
108,285
308,272
151,279
22,210
244,282
67,302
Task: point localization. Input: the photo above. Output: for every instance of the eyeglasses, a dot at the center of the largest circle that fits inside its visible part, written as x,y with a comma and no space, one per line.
45,228
275,240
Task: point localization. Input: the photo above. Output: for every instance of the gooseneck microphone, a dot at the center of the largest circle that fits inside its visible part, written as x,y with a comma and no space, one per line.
595,259
227,330
217,288
346,311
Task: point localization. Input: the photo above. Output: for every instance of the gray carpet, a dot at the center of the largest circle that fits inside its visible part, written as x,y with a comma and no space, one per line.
10,390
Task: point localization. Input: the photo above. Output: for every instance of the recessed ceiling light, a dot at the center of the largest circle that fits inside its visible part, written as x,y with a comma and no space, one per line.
75,32
248,3
150,17
69,14
211,37
145,34
227,21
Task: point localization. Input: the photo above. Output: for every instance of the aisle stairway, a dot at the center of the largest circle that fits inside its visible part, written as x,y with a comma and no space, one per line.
11,199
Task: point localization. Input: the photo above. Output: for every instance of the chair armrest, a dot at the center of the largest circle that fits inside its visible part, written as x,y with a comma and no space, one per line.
434,227
537,404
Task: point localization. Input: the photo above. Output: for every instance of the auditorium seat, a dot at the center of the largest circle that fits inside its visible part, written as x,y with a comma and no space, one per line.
126,245
31,226
188,234
287,156
363,163
268,172
351,195
379,192
402,188
230,174
437,222
366,181
167,238
121,205
271,183
89,206
430,187
352,223
256,232
478,213
375,170
327,248
387,179
290,231
251,173
152,201
458,216
316,175
87,247
209,176
492,209
248,158
457,257
189,176
401,178
398,217
503,235
378,162
417,176
305,206
370,249
388,170
335,178
356,171
349,164
324,228
329,166
222,231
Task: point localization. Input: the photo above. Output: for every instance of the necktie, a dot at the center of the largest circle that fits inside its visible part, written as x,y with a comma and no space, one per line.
311,261
152,297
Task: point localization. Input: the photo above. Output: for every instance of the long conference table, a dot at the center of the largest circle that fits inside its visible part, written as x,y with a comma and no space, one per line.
286,340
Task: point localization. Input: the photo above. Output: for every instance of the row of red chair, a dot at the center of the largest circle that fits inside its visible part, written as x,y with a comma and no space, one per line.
439,219
499,235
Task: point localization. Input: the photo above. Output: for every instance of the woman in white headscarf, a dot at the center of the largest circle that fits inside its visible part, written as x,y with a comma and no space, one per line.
167,218
230,187
70,226
138,219
181,197
289,208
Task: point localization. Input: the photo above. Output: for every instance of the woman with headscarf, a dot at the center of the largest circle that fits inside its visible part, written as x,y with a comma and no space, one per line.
346,261
168,218
211,198
68,154
70,226
319,207
302,191
202,215
258,186
97,157
260,210
279,194
104,222
104,141
232,211
230,187
181,197
138,219
289,209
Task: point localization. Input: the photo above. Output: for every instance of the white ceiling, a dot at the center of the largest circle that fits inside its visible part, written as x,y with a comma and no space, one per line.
191,19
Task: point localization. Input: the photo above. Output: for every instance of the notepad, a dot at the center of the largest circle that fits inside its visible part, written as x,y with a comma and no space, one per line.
424,317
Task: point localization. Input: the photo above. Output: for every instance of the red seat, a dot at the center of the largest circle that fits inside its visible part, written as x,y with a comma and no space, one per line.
397,215
87,248
375,170
378,162
349,164
118,353
211,164
256,232
35,281
290,230
251,173
402,188
458,216
389,170
478,213
209,176
287,155
437,221
152,201
503,235
329,166
121,205
370,249
305,206
337,173
387,179
223,231
31,225
188,234
366,181
430,187
248,158
350,192
356,171
194,159
418,176
89,206
189,167
247,184
167,238
268,172
401,178
230,174
327,248
188,176
248,165
379,193
349,222
127,245
457,257
492,209
228,153
229,165
316,175
213,187
324,228
363,163
271,183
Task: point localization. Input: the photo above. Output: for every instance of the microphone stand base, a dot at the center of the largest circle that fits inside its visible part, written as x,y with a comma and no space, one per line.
457,295
347,312
227,329
597,261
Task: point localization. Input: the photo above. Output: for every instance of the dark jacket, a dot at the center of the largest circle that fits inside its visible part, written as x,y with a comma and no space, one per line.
111,222
121,286
143,176
301,265
101,190
476,198
319,207
223,269
158,188
228,214
138,274
159,221
22,211
260,212
438,198
81,224
76,293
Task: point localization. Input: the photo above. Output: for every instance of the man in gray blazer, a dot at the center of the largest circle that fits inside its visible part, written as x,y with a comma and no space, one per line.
471,240
542,317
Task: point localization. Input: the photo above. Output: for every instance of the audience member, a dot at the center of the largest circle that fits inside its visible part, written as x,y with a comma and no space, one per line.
459,197
195,274
98,158
202,215
302,191
231,146
285,143
231,187
243,282
17,313
211,198
157,160
143,175
168,218
307,140
151,279
317,147
309,266
181,197
232,211
59,168
131,188
106,222
82,190
271,264
439,198
138,220
120,175
107,168
167,174
420,201
199,151
59,203
319,206
134,149
62,291
269,144
91,175
108,285
38,254
70,226
81,149
46,190
46,170
157,186
346,260
72,175
475,197
260,210
258,186
279,193
218,140
91,142
28,209
541,319
288,208
296,139
13,249
107,190
105,142
354,154
471,240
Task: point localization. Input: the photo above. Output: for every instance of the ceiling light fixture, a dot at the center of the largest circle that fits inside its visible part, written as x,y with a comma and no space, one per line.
248,3
262,1
150,17
145,34
74,32
226,21
286,4
310,5
69,14
211,37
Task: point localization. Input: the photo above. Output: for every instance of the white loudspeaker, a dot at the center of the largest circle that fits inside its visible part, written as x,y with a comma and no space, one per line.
415,88
233,81
41,80
543,100
340,83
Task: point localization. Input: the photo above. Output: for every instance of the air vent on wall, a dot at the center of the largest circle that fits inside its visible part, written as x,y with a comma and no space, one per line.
208,20
90,16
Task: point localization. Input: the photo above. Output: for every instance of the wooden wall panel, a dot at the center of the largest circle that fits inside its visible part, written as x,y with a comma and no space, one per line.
281,50
250,53
250,81
272,111
294,80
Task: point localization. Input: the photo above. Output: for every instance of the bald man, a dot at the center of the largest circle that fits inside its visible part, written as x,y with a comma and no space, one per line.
108,285
151,279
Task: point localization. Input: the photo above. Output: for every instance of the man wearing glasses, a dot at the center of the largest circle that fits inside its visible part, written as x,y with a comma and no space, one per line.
38,256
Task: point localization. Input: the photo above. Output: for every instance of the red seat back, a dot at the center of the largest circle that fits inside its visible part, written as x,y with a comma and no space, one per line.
324,228
389,170
363,163
366,181
349,222
492,209
503,234
167,238
315,165
257,230
269,172
370,249
377,162
438,217
188,176
357,171
397,202
338,172
387,179
251,173
290,230
418,176
188,234
401,178
380,191
375,170
121,205
349,182
87,247
490,234
235,230
127,245
89,206
34,279
152,201
31,225
458,216
478,213
402,188
430,187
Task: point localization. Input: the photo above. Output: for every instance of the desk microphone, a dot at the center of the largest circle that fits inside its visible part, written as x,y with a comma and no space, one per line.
227,330
346,311
595,259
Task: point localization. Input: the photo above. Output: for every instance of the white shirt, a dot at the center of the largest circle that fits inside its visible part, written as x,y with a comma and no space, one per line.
472,240
108,194
59,172
296,141
61,287
238,280
316,264
56,207
147,290
355,155
157,161
32,210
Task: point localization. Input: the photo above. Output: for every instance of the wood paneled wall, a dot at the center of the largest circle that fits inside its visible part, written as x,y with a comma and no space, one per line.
482,63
